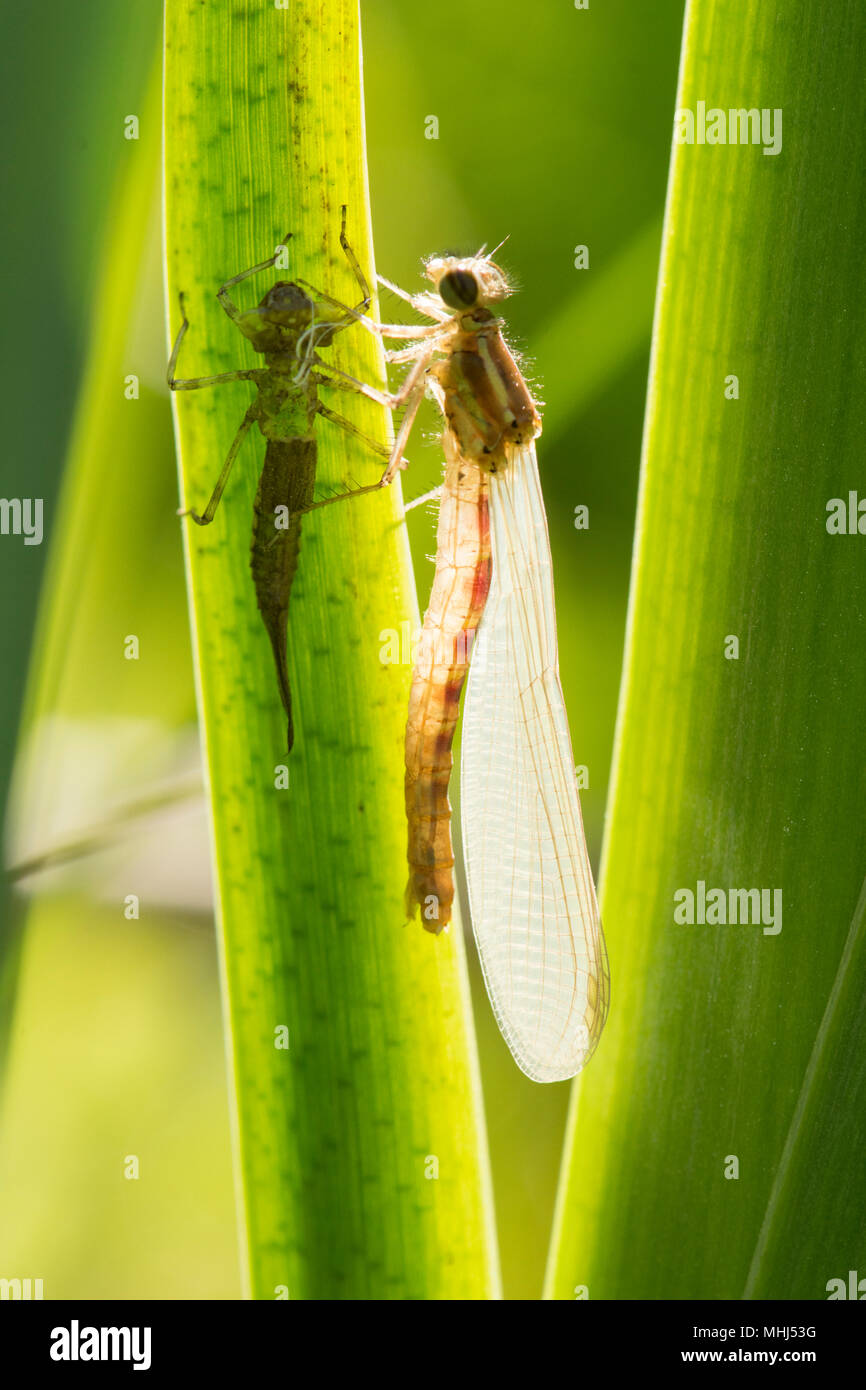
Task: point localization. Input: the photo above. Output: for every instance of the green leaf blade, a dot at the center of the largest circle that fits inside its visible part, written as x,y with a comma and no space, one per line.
739,773
340,1137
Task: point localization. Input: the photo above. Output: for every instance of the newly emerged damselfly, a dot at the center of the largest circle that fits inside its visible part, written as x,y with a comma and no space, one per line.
287,327
531,894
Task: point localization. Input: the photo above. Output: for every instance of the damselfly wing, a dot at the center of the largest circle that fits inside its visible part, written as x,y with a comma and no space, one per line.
531,894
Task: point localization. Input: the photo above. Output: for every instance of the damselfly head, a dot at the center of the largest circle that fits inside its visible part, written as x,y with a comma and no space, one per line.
469,282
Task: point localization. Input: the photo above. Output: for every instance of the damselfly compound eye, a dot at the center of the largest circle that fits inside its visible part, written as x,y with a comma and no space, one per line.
459,289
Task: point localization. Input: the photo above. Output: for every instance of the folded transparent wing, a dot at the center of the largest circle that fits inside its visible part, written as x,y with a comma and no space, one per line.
531,893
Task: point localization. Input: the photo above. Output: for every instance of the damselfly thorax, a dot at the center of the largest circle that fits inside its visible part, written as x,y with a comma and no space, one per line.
485,400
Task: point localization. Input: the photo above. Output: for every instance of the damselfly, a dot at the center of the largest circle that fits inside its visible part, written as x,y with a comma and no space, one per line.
287,327
531,893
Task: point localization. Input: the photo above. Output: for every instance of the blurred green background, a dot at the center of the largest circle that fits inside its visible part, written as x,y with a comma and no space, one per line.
554,132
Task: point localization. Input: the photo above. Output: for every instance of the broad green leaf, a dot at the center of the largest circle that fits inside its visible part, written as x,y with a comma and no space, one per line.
741,1042
113,567
802,1239
361,1147
115,1031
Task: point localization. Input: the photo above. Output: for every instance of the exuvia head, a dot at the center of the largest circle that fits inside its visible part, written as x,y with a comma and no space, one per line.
285,304
278,319
287,320
468,282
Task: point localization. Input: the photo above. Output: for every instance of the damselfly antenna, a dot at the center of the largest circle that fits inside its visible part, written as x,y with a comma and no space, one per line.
490,254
